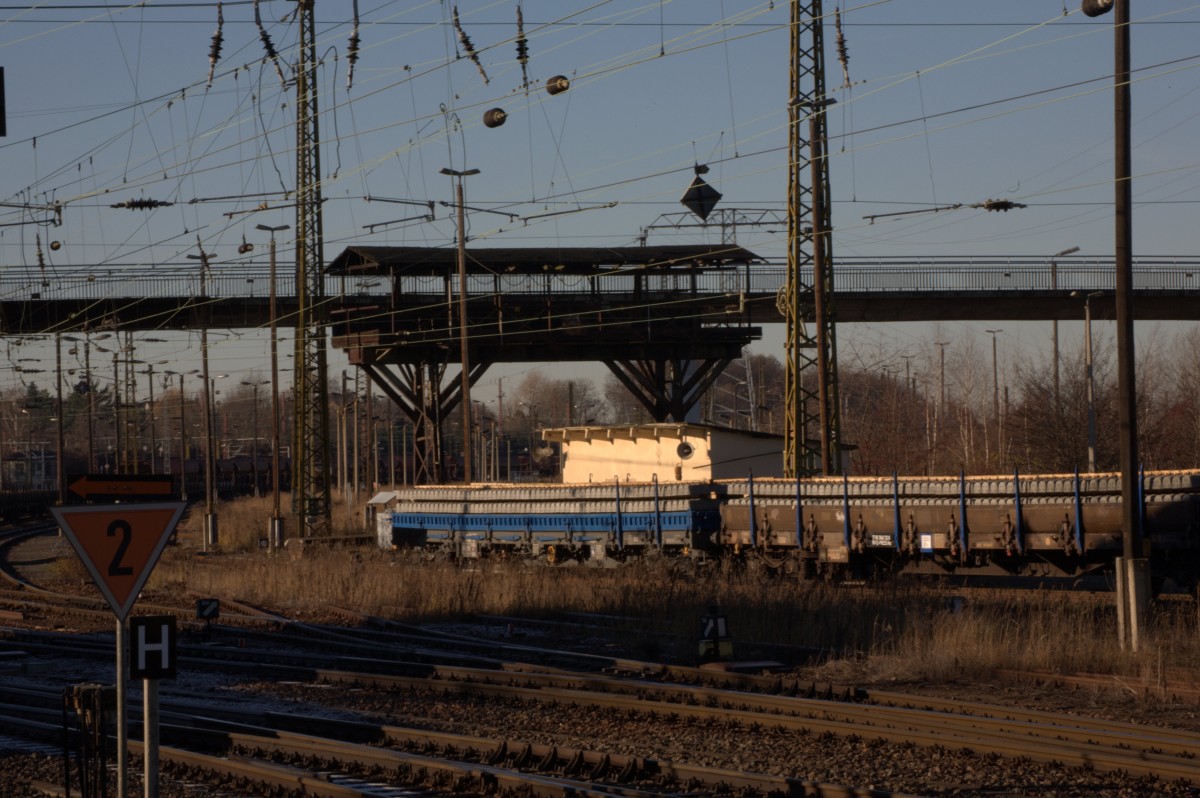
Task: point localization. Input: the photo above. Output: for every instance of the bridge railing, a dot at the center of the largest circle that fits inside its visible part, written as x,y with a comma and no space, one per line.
851,275
147,282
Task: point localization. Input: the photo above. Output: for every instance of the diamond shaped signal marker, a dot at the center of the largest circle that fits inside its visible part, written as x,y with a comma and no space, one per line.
700,198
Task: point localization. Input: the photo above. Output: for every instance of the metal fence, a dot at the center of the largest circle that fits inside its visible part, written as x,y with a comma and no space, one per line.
851,275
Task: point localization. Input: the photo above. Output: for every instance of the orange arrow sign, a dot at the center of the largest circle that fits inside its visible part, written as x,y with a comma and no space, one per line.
124,486
119,544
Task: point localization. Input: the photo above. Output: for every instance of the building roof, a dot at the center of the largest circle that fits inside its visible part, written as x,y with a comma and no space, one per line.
385,261
666,429
383,497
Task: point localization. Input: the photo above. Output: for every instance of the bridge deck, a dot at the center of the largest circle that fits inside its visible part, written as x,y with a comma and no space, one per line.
1021,289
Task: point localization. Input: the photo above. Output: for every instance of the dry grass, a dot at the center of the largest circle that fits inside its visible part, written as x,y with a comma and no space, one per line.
896,631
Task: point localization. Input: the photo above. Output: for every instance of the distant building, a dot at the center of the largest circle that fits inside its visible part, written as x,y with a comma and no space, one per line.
31,470
672,451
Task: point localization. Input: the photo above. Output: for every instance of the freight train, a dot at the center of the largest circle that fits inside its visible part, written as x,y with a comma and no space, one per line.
1056,526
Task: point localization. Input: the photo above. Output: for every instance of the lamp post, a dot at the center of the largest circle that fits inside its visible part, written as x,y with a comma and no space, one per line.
91,393
149,372
120,460
1091,384
462,316
60,480
373,461
996,391
210,514
275,525
183,445
1054,287
995,376
210,458
1133,574
150,407
531,417
254,453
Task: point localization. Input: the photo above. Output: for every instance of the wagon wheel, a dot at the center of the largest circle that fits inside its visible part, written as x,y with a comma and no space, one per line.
773,560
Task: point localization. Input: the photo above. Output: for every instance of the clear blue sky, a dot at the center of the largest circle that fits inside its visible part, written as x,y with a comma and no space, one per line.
949,101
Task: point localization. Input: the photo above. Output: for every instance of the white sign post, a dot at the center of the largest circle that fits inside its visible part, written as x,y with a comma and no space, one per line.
119,544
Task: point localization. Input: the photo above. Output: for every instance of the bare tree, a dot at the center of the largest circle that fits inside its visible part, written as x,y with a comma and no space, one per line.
623,407
1182,415
543,401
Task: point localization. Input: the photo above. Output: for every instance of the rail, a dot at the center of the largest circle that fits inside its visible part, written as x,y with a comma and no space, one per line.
943,275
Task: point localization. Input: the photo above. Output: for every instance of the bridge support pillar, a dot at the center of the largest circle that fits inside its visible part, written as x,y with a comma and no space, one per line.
668,389
418,391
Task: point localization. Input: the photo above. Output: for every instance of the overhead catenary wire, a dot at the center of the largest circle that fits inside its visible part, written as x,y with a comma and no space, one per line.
572,193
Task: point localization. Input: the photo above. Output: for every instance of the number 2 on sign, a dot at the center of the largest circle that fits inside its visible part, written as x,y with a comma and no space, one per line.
115,568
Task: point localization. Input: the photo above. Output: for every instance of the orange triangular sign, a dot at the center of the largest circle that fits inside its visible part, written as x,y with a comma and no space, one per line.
119,544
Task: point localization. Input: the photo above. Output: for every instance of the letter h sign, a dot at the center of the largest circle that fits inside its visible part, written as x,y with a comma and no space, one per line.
152,647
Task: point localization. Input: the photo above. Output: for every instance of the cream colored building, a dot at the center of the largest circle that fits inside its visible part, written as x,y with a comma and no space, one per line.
672,452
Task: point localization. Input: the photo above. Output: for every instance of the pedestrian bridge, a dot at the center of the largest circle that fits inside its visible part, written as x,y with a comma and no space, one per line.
170,297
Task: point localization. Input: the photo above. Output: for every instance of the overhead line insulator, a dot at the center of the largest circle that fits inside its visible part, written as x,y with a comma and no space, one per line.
522,49
214,51
268,46
470,48
998,205
142,204
352,50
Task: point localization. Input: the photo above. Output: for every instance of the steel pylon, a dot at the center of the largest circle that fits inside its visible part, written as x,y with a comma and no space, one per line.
311,451
811,425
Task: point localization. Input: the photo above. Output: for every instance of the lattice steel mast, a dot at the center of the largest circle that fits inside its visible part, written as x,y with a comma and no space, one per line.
310,443
812,408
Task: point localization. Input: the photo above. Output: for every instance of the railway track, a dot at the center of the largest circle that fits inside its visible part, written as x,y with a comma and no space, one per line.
264,743
27,601
888,718
12,536
392,664
47,607
369,635
29,551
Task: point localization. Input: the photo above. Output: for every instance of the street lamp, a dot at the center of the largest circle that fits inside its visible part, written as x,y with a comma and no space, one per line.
91,392
995,376
254,453
462,316
275,525
149,372
1054,287
1132,586
531,409
210,515
210,460
60,480
183,446
1091,385
996,396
